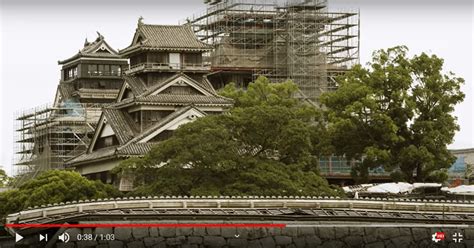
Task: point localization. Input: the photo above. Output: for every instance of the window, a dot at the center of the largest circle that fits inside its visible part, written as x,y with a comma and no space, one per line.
175,60
101,69
92,69
107,69
104,70
114,70
70,73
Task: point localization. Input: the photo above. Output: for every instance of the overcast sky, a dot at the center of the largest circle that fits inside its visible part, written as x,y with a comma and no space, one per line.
36,34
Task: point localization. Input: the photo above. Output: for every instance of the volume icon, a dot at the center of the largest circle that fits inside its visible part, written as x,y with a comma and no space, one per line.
64,237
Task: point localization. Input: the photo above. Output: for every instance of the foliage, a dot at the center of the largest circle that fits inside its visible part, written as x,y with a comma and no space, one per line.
4,179
398,113
53,187
263,146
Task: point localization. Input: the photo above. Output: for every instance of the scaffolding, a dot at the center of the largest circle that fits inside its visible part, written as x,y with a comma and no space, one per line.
46,136
299,40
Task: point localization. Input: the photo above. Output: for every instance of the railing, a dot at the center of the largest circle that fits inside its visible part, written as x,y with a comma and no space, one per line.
169,66
104,73
63,210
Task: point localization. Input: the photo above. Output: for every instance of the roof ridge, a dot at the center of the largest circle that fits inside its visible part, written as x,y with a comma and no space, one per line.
164,25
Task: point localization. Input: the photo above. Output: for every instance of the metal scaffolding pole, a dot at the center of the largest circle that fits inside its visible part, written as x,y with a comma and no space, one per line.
299,40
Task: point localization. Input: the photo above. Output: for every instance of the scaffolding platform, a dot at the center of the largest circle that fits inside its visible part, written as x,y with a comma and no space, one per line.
47,135
299,40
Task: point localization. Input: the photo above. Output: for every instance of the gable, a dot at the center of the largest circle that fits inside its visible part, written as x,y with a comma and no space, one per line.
103,130
125,92
104,48
137,38
106,131
180,90
106,137
188,116
181,86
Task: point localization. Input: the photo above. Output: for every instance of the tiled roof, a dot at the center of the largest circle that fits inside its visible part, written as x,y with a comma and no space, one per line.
205,82
134,149
168,99
131,147
66,90
127,150
136,84
89,51
171,100
97,154
97,93
167,37
122,124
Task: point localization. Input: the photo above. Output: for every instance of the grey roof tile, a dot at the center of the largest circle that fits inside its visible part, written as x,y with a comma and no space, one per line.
136,84
97,154
167,37
134,149
122,124
183,99
66,90
90,47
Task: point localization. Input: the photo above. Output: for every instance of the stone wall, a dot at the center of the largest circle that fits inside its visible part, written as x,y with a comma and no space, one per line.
301,236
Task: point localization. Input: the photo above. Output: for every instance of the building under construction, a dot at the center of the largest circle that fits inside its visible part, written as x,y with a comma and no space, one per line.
301,40
49,135
298,40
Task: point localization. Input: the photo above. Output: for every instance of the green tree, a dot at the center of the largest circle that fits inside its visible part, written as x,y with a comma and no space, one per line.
263,146
4,179
53,187
397,113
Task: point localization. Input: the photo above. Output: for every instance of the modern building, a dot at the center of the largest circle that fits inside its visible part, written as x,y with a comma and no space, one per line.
165,87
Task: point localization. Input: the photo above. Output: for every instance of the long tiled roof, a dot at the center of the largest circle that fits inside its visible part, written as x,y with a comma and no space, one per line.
127,150
168,99
167,37
98,154
198,99
134,149
122,124
97,93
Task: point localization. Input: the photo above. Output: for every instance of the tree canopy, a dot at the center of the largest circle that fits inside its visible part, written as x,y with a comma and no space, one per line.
265,145
53,187
396,113
4,178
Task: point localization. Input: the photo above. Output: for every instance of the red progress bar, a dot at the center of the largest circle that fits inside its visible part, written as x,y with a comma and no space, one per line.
169,225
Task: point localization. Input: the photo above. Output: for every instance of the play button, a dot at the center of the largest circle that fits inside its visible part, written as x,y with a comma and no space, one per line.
18,237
